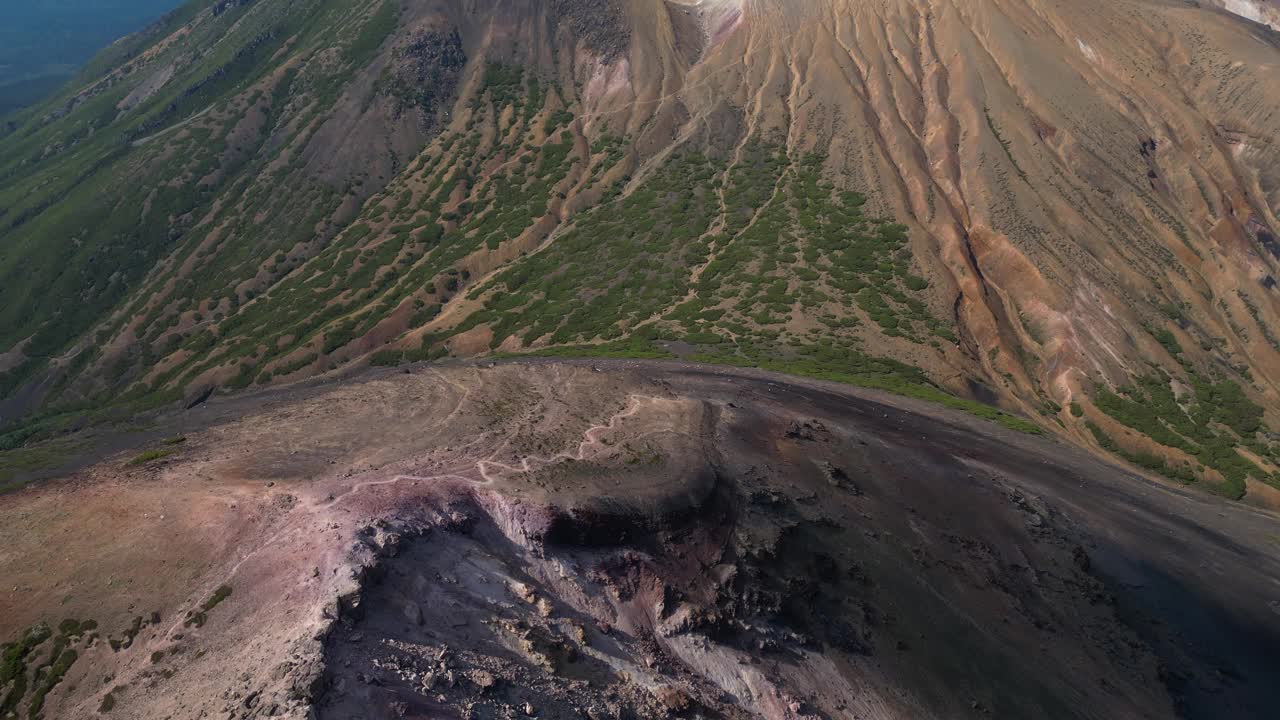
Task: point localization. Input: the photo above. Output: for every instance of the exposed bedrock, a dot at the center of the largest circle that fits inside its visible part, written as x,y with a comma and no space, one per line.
801,567
626,539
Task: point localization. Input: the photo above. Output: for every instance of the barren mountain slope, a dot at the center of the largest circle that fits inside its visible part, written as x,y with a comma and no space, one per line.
624,540
1064,208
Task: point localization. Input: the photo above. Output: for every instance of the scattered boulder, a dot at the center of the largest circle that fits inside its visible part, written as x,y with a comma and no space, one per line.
807,430
413,612
674,699
483,679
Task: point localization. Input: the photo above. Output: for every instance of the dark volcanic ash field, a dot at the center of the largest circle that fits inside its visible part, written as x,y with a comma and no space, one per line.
630,540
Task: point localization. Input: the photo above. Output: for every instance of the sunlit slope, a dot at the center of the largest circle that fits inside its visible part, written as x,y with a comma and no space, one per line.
1066,209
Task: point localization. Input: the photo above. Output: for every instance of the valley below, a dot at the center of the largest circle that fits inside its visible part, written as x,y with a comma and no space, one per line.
624,539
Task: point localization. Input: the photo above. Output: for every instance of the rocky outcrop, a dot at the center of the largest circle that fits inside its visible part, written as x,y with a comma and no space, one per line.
616,539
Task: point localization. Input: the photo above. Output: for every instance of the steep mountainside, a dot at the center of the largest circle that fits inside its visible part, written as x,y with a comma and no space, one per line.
43,42
1067,208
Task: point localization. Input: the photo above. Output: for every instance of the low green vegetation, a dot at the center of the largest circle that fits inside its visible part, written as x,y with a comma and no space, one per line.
147,456
197,618
91,202
401,254
22,463
818,362
125,641
730,254
29,672
1208,421
372,35
751,256
222,593
619,265
877,373
48,676
790,246
13,666
648,267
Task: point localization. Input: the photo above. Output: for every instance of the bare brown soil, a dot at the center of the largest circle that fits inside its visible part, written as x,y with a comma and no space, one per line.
628,539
